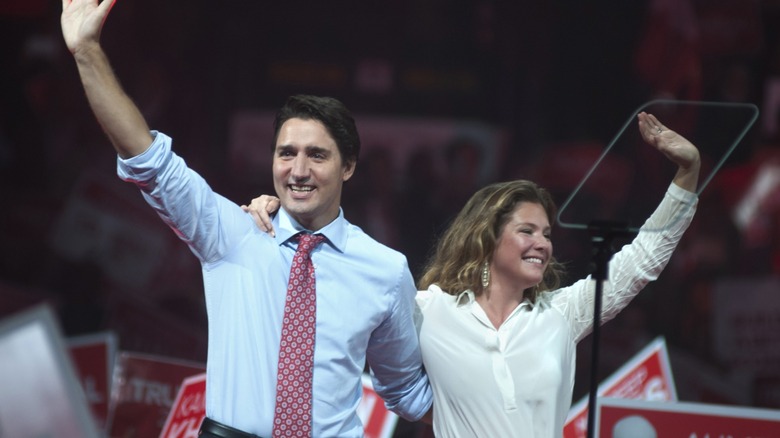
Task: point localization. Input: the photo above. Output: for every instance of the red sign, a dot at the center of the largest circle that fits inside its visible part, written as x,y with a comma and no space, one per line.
378,422
93,357
639,419
188,410
142,393
647,376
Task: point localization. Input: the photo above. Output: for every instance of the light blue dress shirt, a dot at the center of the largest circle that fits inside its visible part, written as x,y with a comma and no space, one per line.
365,304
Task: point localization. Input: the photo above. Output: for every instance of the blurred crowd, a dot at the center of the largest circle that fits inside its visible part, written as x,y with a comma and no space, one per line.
548,85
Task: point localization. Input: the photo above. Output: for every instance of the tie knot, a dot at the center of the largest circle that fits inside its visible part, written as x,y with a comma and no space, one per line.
307,242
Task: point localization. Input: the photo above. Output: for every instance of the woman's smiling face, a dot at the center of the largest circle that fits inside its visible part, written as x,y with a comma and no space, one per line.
523,249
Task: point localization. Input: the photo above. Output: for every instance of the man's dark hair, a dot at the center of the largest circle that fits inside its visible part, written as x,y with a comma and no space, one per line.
331,113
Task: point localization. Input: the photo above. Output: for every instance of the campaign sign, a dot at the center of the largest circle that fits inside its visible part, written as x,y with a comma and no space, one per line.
620,418
188,409
746,326
142,392
378,422
93,357
40,395
647,376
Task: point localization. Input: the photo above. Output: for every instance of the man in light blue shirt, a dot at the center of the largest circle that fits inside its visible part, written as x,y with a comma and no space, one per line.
365,292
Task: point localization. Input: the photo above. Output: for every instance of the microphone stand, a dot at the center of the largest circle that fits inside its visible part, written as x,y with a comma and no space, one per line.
602,234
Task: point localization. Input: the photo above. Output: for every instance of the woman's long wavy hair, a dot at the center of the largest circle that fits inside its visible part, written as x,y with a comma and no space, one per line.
470,240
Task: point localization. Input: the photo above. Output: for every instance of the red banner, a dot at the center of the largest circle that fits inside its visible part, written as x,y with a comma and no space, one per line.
647,376
143,390
639,419
93,357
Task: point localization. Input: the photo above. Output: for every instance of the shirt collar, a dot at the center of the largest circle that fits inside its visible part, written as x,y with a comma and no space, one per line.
465,297
335,232
468,296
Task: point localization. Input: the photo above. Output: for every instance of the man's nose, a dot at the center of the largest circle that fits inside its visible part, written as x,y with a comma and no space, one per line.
300,168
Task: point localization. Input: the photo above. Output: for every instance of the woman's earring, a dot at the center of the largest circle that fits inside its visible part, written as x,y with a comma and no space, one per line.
485,275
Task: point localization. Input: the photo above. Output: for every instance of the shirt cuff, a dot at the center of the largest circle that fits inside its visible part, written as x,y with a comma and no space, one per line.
681,194
146,165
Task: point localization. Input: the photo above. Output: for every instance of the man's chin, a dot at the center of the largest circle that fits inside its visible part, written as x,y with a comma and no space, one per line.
296,210
300,212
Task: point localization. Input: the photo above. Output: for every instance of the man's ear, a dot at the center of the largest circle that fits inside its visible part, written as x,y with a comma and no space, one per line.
349,169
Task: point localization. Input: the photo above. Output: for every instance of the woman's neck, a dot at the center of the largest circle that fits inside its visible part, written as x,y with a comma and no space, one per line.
499,302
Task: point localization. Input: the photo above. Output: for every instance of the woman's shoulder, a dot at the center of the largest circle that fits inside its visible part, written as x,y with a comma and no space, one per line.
434,293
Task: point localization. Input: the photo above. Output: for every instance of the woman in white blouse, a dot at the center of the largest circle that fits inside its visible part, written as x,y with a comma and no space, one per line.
498,335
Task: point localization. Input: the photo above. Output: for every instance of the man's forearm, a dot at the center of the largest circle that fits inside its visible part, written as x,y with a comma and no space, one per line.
119,117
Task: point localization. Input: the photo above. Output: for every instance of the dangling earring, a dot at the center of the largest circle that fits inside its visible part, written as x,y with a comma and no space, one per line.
485,275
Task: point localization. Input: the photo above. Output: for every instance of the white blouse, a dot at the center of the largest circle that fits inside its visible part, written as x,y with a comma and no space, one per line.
517,380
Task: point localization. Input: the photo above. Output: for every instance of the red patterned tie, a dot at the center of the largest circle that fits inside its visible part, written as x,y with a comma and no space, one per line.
292,417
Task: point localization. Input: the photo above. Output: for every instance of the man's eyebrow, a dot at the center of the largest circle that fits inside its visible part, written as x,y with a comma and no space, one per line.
309,148
317,149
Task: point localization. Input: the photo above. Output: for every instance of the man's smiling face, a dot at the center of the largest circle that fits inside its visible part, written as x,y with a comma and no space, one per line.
309,172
